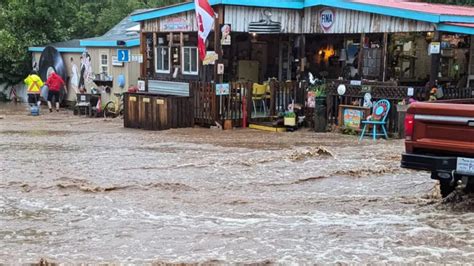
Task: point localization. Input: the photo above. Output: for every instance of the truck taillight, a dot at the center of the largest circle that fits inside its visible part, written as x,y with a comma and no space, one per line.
409,123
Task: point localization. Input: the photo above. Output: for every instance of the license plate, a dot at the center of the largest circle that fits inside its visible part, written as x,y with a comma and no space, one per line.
465,165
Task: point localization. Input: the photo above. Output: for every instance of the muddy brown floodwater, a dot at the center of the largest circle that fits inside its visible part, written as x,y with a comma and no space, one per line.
81,190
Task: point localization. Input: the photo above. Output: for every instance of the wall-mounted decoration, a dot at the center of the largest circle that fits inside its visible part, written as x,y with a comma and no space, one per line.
341,89
352,116
326,19
211,58
175,24
225,29
434,48
266,26
141,85
220,69
222,89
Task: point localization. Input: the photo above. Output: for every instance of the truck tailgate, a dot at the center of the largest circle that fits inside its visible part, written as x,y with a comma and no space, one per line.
445,127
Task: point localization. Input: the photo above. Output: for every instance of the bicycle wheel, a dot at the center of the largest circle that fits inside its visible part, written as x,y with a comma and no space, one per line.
109,109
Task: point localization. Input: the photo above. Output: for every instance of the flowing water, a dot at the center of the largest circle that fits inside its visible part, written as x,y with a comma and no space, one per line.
82,190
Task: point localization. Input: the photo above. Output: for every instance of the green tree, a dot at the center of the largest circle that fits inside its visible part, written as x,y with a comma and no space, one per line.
26,23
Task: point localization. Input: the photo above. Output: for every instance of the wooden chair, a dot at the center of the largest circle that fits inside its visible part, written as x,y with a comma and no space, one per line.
378,118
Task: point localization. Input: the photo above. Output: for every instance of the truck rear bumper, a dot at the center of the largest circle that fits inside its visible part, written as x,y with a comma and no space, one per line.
428,163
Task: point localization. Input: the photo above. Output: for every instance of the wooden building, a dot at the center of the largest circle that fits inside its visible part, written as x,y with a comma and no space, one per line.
369,39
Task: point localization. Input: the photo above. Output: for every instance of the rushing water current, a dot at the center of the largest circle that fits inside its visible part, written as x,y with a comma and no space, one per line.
82,190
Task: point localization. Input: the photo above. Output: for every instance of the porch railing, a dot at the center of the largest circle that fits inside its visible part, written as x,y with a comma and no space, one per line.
210,108
394,94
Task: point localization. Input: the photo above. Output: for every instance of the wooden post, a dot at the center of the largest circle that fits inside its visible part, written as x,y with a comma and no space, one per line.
384,56
361,51
143,51
217,42
435,61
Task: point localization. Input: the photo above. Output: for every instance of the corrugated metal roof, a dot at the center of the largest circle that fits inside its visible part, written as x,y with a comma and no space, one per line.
119,31
422,7
467,25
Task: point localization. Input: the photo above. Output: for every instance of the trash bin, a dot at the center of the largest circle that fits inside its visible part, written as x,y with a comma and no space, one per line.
401,111
320,117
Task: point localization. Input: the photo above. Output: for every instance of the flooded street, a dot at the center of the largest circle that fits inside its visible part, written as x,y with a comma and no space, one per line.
82,190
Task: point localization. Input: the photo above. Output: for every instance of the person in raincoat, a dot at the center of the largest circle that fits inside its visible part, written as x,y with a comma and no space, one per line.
33,87
55,84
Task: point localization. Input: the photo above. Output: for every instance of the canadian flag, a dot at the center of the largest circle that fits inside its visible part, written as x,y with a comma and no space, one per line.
205,21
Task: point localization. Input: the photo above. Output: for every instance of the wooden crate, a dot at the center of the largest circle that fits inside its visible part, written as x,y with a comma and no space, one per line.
158,112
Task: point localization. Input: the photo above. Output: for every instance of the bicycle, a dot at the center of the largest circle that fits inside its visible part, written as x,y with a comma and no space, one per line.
114,108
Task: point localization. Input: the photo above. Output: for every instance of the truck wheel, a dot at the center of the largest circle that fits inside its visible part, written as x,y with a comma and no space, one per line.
445,187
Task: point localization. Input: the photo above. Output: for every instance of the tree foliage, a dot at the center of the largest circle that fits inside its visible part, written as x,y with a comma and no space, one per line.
26,23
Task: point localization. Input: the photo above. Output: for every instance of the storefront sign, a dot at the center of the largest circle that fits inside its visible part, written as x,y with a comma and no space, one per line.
434,48
222,89
175,24
226,40
210,59
326,19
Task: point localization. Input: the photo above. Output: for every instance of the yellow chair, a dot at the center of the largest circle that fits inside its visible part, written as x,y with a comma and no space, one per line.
258,94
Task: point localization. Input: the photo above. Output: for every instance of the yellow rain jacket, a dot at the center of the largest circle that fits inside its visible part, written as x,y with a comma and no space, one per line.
34,84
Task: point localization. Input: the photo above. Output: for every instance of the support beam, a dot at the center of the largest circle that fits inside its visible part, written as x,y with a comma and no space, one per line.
435,58
143,51
361,52
384,56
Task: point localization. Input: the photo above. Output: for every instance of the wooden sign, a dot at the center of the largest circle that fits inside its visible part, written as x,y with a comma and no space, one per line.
174,24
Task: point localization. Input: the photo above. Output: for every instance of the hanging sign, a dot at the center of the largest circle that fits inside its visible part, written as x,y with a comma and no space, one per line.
175,24
326,19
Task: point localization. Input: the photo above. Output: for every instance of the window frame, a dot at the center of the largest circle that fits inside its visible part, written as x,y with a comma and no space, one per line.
162,71
106,65
183,59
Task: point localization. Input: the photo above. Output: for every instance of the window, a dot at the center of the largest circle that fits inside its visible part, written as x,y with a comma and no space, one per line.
190,60
162,59
104,64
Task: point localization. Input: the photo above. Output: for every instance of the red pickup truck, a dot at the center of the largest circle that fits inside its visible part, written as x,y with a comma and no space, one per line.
439,137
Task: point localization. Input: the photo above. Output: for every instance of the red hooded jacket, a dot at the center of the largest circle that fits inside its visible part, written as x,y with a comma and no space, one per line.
55,82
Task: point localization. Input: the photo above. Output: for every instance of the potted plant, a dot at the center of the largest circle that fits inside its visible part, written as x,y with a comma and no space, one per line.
289,119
